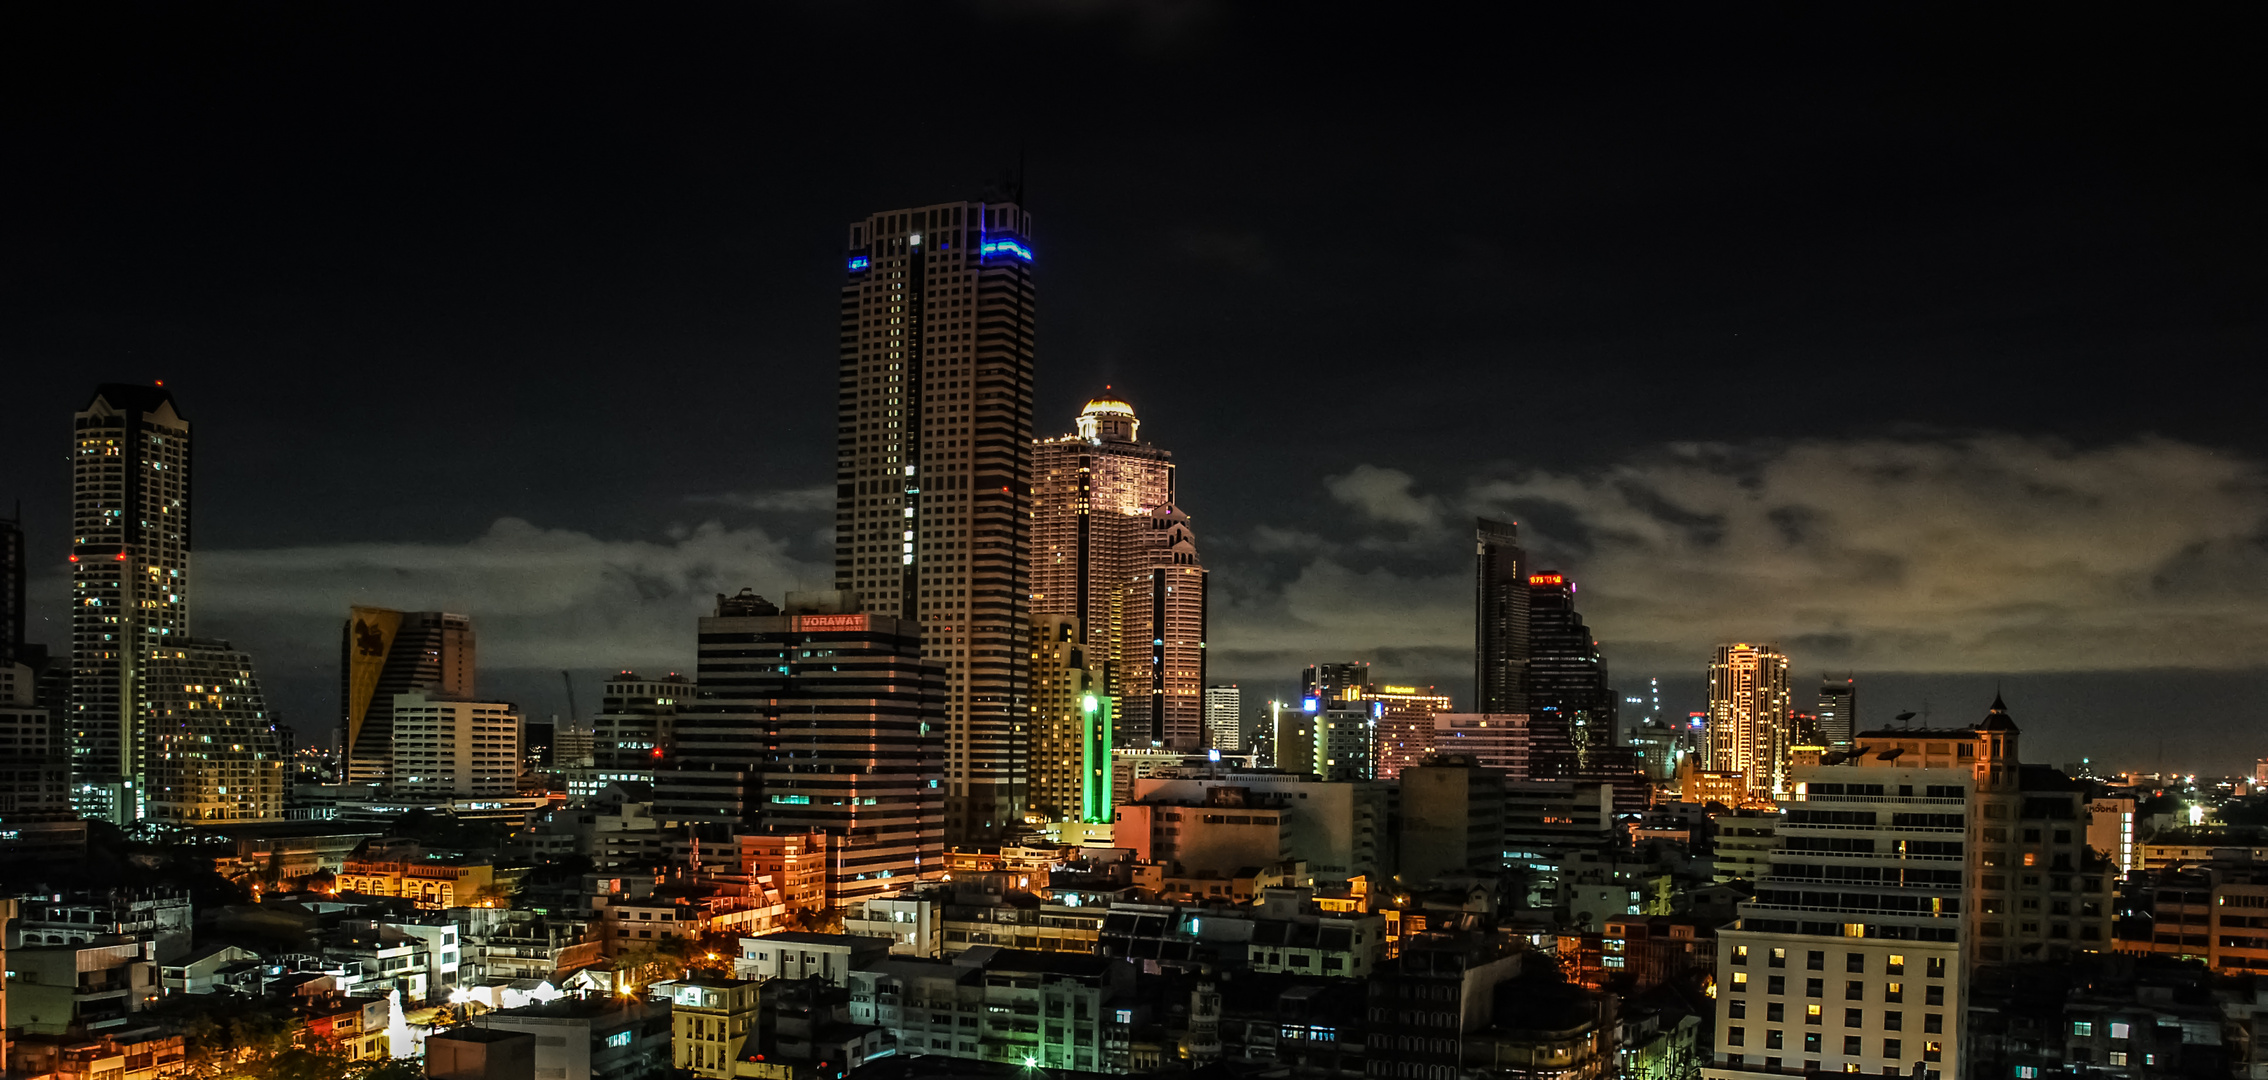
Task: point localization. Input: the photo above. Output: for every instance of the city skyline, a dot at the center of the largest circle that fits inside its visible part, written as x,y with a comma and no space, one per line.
1913,527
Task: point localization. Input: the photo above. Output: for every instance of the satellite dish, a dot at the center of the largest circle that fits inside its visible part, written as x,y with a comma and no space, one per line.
1905,716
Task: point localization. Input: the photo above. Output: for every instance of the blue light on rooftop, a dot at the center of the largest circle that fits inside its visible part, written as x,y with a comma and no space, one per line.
1006,247
1310,705
857,263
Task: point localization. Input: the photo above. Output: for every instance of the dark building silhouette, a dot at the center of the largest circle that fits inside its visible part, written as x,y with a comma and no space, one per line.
1500,592
1568,697
1838,711
11,585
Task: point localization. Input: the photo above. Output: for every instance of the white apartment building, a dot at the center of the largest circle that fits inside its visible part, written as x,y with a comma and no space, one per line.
1849,957
446,748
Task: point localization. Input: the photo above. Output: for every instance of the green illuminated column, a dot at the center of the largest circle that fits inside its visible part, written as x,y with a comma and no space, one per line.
1095,801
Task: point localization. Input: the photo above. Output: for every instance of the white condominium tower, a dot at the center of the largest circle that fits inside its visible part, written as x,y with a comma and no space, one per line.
129,583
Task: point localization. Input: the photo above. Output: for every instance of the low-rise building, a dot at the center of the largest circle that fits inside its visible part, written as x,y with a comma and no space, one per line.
611,1037
913,921
2216,912
212,968
808,1034
1017,920
795,954
160,916
1743,841
87,987
634,921
503,944
433,880
1046,1010
711,1020
141,1053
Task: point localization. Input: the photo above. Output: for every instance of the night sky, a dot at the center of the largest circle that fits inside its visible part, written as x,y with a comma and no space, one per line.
1925,346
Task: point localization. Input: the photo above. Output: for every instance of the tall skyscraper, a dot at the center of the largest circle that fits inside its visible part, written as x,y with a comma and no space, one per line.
1838,711
811,721
934,470
1092,494
211,752
11,585
130,469
1500,600
1071,727
1572,709
1224,718
1749,716
1162,620
384,653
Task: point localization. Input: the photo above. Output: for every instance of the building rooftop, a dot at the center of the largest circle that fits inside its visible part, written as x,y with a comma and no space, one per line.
476,1034
803,937
594,1007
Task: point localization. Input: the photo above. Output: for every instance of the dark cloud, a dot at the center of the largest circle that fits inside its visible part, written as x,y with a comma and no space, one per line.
1984,553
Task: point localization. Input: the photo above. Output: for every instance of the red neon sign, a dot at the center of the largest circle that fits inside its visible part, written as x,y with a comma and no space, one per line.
830,622
1547,579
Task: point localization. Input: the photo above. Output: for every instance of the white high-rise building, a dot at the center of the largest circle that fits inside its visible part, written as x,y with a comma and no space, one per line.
1850,956
129,583
1224,718
454,749
933,474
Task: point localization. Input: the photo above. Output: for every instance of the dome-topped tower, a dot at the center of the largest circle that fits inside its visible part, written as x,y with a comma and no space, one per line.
1109,419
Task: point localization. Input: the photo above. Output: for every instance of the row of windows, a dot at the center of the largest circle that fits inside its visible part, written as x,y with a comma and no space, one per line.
1816,960
1853,989
1853,1046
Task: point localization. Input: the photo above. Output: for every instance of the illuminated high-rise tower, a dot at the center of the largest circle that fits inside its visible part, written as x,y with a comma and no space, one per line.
1750,715
1162,619
210,751
1838,711
1092,494
1224,718
933,473
1071,727
1500,600
129,583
